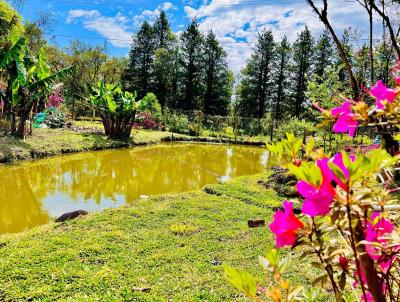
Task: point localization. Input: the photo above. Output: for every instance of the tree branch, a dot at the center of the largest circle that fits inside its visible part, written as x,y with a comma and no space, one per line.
323,16
389,26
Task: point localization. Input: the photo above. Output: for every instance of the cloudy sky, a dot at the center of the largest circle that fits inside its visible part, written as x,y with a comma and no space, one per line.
236,22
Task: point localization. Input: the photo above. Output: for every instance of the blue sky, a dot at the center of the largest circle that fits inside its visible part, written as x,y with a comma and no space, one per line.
232,20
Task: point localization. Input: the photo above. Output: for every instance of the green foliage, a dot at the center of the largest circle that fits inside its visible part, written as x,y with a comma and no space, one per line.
278,289
256,86
243,281
325,90
301,128
55,118
30,79
151,105
118,108
178,123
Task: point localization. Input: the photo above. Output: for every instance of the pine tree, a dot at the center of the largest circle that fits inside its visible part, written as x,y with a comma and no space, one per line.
345,41
139,74
257,78
218,78
324,54
302,56
163,38
162,31
282,83
192,58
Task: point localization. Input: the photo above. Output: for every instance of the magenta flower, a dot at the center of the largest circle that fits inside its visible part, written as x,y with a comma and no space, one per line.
346,121
397,80
377,231
382,93
344,263
285,226
328,174
317,200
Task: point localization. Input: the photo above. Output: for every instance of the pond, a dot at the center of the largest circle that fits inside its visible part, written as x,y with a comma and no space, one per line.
33,193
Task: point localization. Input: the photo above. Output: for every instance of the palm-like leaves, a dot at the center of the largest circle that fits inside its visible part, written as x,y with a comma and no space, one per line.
16,52
51,79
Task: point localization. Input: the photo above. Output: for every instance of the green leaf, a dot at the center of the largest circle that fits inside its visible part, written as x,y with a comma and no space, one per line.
243,281
16,51
52,79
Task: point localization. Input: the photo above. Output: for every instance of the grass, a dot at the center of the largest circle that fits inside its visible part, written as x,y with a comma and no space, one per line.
172,244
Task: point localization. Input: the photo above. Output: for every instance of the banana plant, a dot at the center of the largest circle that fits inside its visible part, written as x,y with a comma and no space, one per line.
117,108
28,80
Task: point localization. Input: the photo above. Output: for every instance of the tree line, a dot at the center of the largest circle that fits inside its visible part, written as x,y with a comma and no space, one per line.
189,72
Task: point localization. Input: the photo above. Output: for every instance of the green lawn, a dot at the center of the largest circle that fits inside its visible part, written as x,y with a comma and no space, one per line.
172,244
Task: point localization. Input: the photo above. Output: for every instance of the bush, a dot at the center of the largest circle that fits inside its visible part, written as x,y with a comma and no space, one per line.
300,128
54,118
178,123
147,121
5,126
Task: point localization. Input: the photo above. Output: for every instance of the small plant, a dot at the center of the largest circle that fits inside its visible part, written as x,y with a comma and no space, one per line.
55,100
183,229
300,128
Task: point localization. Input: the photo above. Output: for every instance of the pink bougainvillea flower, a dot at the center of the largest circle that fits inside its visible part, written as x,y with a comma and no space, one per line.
285,226
376,232
382,93
346,121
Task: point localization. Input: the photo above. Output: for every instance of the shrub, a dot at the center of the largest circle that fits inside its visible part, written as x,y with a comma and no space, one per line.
147,121
178,123
300,128
54,118
5,126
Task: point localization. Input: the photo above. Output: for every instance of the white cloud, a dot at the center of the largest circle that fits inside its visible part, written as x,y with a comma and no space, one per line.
242,21
115,28
167,6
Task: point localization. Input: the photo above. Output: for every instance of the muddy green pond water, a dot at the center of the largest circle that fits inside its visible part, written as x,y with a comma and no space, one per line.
33,193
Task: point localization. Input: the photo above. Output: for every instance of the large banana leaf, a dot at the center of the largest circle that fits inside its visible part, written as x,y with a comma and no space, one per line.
42,67
18,50
52,79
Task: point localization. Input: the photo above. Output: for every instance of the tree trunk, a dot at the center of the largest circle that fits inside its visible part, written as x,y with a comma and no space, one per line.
371,45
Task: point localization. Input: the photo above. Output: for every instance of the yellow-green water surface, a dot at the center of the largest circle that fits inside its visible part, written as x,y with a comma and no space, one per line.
33,193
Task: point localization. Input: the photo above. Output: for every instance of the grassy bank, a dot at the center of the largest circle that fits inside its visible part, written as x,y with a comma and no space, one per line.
50,142
172,244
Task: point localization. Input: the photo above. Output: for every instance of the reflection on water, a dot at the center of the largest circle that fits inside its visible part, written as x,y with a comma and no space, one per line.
32,193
